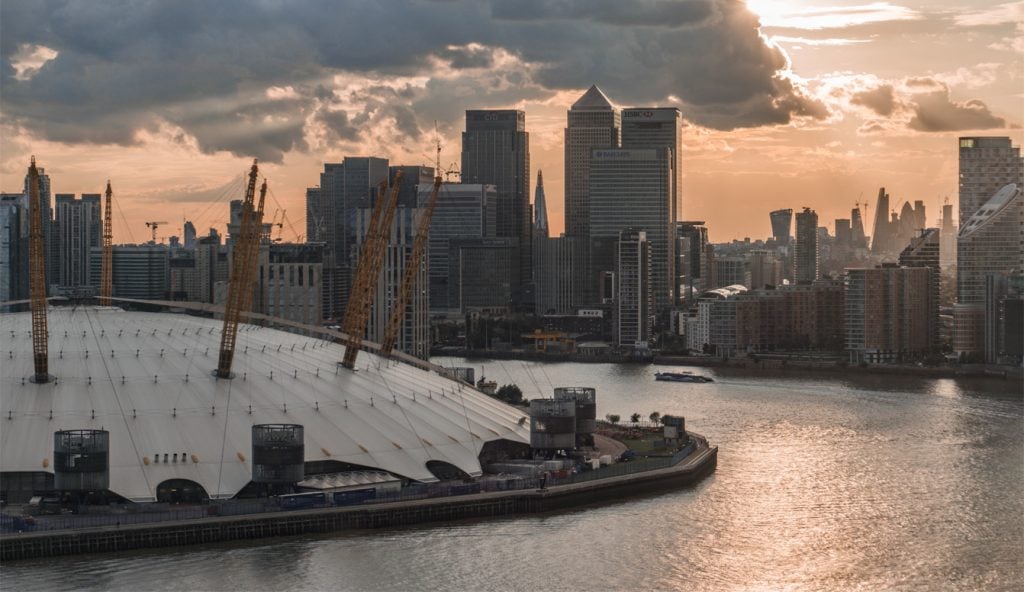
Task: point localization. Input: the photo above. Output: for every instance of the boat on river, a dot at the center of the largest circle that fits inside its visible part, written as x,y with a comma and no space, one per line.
681,377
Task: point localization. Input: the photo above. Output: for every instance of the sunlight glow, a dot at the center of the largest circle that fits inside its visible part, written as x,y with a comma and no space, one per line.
795,15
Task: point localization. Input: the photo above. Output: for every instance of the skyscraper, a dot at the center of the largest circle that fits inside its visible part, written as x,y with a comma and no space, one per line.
412,176
782,222
806,268
947,237
189,231
540,209
633,302
858,238
462,212
991,215
633,189
660,127
79,223
14,233
692,260
593,122
330,218
496,151
882,238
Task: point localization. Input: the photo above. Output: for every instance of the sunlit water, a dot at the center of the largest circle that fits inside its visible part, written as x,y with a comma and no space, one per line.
823,483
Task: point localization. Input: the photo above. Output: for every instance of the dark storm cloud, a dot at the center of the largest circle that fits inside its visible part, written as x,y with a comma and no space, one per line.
935,112
468,57
671,13
338,124
205,66
881,100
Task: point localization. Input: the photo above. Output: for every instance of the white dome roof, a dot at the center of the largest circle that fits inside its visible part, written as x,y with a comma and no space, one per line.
147,379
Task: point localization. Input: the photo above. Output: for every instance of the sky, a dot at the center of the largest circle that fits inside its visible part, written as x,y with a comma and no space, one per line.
786,103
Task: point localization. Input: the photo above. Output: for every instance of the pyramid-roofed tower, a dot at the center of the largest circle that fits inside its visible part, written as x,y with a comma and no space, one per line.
593,99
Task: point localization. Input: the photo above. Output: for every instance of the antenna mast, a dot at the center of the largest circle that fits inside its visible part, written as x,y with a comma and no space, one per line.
37,275
106,269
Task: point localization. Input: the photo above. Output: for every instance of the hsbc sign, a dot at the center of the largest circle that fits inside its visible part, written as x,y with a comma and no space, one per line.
667,114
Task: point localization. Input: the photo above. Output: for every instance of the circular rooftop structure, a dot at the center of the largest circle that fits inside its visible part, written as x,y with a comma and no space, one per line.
147,379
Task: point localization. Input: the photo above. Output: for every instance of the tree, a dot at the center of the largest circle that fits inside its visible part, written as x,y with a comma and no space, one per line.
635,418
510,393
613,418
654,417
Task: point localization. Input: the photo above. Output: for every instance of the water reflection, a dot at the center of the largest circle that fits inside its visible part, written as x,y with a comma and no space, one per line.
823,483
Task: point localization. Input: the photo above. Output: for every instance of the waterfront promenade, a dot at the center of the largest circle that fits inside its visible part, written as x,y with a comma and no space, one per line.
674,472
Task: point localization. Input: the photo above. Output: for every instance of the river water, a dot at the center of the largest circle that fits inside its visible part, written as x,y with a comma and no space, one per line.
823,483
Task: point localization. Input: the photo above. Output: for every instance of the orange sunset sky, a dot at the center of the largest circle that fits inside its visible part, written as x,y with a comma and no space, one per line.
786,103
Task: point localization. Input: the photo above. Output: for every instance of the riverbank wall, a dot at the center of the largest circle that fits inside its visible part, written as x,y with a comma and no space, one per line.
788,364
323,520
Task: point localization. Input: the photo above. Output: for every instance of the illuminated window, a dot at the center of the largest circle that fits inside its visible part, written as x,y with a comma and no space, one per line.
967,142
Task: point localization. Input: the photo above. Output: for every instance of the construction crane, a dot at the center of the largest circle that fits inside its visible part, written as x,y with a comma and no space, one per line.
236,286
357,313
154,226
412,266
252,254
107,265
37,278
453,170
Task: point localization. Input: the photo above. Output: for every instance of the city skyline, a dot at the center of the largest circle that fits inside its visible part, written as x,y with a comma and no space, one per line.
820,120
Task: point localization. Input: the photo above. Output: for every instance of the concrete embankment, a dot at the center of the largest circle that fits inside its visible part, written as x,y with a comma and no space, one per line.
299,522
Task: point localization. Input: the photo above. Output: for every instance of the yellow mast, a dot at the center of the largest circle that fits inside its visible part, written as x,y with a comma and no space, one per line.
107,269
412,266
237,287
357,313
37,277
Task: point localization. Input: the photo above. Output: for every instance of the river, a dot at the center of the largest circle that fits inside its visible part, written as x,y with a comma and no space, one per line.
824,482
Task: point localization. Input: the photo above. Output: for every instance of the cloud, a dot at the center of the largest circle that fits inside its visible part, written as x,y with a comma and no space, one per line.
263,79
776,14
881,100
936,112
828,41
1012,12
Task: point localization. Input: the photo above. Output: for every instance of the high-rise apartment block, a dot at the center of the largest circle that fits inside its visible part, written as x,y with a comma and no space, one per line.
414,333
79,224
888,313
288,282
634,318
806,258
923,251
991,216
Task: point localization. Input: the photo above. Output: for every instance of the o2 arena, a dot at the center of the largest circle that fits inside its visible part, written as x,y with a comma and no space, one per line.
173,407
147,379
